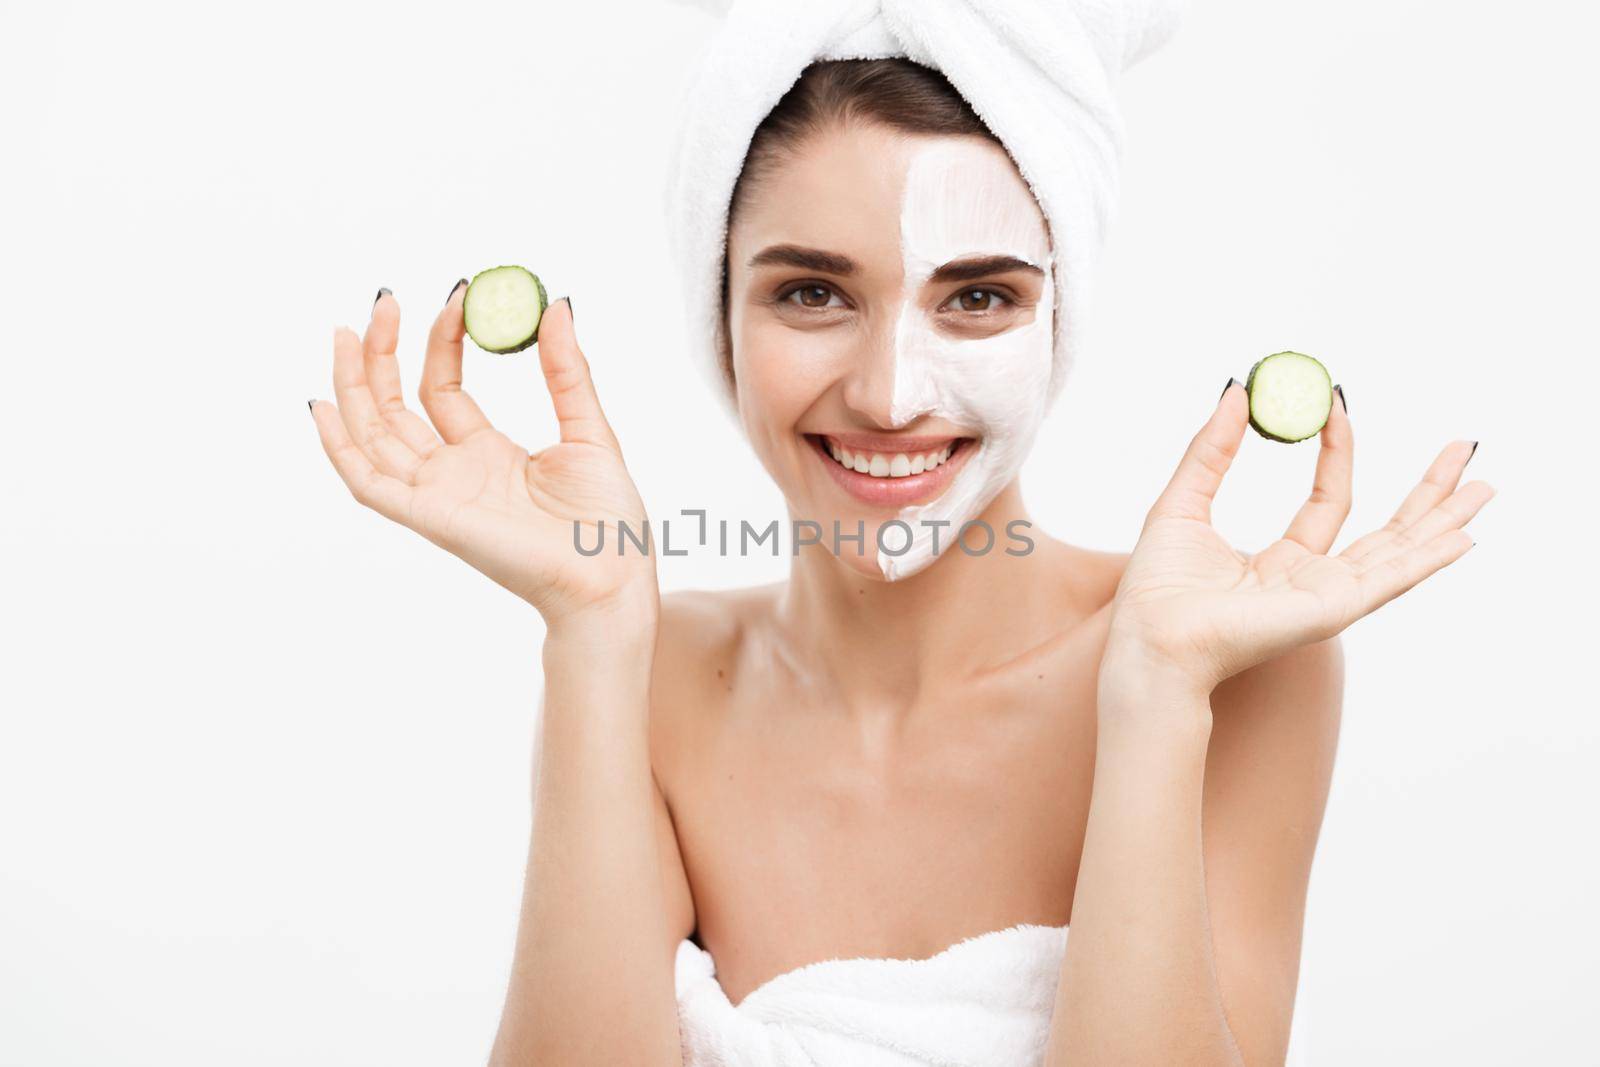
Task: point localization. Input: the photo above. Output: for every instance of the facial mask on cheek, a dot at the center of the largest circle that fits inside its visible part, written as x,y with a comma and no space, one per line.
961,200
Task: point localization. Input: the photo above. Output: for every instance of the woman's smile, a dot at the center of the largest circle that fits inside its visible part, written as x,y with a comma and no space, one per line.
882,470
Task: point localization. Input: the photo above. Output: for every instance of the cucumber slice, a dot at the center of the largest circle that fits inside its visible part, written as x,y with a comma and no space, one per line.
1290,396
502,309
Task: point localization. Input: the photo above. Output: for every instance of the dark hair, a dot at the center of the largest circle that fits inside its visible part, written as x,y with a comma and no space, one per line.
895,92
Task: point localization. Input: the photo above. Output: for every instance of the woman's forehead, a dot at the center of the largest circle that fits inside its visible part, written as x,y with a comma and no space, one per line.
879,197
962,197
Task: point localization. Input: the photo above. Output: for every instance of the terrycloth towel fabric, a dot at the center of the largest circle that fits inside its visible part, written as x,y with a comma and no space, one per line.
983,1002
1039,73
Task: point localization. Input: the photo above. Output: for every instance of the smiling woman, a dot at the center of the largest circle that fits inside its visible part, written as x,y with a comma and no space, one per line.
850,818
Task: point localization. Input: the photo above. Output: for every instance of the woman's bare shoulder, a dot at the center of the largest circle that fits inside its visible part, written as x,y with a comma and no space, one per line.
1089,576
1300,691
699,640
1107,567
702,626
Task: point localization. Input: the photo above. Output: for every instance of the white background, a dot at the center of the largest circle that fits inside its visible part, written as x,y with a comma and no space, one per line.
264,756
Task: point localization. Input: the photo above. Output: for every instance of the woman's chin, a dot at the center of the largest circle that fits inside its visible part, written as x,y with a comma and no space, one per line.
862,566
873,566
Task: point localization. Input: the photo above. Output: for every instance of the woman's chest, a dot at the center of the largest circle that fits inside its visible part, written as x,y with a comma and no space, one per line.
807,834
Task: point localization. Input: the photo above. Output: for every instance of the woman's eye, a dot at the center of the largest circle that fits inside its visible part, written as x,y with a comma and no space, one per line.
812,296
978,300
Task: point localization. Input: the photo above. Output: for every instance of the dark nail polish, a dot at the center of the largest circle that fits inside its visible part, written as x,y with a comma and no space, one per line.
1472,453
453,289
1225,388
568,299
380,295
1342,401
311,405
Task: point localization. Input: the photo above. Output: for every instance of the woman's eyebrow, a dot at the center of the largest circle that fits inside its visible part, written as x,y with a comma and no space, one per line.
973,267
805,258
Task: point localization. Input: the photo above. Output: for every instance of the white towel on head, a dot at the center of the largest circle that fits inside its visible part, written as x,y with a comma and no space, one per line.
1039,73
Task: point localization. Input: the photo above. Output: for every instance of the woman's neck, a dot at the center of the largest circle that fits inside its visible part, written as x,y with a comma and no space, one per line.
878,644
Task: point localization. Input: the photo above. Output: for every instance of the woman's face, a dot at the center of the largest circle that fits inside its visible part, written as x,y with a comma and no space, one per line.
890,310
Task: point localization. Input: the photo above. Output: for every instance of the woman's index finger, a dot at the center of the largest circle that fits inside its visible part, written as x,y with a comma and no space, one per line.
1194,484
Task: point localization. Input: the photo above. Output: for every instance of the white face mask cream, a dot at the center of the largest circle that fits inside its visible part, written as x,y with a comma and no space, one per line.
962,199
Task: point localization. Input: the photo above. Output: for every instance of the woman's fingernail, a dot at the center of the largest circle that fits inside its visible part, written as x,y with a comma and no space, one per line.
380,295
311,405
1225,388
1472,453
1342,401
453,289
568,299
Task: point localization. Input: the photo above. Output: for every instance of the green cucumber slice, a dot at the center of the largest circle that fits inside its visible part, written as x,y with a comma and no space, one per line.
503,307
1291,396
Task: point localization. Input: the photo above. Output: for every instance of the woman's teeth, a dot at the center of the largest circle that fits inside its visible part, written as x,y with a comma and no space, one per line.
880,465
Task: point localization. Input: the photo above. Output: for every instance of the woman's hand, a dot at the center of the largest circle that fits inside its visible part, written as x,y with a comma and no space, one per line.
1191,610
470,489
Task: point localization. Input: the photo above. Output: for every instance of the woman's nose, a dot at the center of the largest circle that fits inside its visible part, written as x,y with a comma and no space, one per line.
870,384
869,376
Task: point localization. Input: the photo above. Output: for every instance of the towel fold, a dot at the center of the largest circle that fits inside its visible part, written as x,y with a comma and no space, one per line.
1039,73
983,1001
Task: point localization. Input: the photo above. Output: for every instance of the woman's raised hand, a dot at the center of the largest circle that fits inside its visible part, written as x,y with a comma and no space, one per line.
472,490
1190,603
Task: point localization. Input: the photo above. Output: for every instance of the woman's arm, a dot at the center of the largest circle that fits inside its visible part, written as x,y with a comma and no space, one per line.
592,979
1146,970
1274,739
589,982
1138,981
1202,828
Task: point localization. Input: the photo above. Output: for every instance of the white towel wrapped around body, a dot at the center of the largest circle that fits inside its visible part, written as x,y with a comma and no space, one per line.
1039,73
983,1002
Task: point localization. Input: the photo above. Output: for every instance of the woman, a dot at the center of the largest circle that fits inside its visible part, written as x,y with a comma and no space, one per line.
893,755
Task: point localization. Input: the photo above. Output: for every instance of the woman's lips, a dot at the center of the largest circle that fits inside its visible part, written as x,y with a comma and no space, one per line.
890,472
